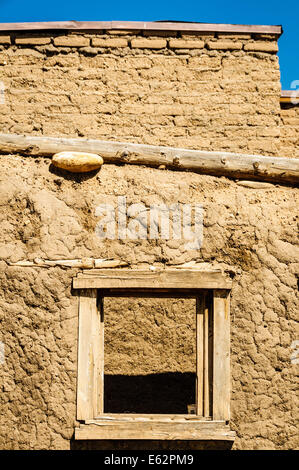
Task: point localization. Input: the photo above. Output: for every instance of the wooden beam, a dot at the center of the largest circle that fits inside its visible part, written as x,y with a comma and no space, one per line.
189,430
86,263
133,279
143,417
232,165
141,25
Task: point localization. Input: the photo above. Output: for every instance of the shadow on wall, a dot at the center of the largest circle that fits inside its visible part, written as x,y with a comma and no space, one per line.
67,175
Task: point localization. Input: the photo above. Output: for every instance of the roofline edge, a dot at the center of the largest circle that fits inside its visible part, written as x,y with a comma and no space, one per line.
140,25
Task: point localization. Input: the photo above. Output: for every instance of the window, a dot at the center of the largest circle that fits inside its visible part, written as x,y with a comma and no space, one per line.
212,414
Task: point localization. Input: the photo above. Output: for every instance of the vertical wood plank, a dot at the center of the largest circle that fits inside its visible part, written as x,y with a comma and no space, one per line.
206,352
221,359
87,387
100,396
199,355
95,354
210,350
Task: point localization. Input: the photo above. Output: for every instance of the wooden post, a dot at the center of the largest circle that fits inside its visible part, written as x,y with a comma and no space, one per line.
203,355
199,355
207,355
88,355
221,357
100,396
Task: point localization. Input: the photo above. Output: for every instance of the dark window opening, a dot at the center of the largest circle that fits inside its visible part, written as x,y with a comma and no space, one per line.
149,355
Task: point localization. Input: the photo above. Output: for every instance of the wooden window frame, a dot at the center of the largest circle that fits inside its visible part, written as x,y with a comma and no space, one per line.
212,293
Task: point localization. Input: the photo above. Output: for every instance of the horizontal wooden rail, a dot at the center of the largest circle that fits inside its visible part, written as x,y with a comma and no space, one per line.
155,429
137,279
232,165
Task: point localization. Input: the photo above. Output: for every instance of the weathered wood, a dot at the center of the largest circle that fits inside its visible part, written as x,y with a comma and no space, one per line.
203,356
141,25
24,264
123,417
232,165
90,389
155,430
198,266
199,355
221,356
126,279
88,383
68,263
86,263
99,399
108,263
207,364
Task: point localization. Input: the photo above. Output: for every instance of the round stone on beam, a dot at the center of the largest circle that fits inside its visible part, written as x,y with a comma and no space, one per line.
77,162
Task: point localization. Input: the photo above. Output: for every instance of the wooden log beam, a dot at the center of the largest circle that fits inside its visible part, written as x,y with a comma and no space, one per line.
232,165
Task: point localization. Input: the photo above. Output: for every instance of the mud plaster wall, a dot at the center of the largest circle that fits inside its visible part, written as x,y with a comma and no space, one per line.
49,215
222,94
289,134
211,92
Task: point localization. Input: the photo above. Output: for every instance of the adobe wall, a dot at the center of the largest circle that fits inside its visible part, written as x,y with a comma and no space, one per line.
251,232
212,92
289,133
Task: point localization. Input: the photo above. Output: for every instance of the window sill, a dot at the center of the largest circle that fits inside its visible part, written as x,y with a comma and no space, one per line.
154,428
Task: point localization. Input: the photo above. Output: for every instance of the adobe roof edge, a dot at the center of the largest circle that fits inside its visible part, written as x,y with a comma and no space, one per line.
140,25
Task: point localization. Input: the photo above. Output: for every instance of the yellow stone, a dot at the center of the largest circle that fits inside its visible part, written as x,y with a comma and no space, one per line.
77,162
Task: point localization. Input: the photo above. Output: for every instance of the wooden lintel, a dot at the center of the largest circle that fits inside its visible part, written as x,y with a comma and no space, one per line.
232,165
134,279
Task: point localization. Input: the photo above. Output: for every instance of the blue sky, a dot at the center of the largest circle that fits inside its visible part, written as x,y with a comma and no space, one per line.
217,11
